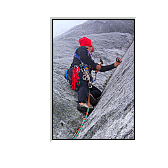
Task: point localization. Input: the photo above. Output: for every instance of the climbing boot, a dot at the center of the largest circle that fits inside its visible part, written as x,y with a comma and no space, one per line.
83,107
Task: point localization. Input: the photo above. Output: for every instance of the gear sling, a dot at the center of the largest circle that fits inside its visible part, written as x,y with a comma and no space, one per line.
75,74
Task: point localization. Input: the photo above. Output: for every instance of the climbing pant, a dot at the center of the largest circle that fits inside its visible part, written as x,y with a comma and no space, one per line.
83,91
83,88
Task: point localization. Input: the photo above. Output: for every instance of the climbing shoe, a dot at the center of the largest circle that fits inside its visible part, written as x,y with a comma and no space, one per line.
83,107
93,101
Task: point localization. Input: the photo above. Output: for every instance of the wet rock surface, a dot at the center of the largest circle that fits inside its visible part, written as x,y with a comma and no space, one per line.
66,117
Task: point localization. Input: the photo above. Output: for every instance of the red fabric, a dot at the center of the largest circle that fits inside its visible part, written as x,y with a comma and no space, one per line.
75,78
85,42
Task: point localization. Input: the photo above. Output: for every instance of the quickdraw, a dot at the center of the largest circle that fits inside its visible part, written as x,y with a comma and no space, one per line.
86,75
75,77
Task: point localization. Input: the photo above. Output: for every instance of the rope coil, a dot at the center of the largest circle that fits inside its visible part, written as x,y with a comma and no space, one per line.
75,77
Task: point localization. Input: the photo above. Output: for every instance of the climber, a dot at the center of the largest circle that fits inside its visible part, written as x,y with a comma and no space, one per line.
79,74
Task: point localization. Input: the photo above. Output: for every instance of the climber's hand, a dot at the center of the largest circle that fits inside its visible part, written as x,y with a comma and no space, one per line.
118,62
98,67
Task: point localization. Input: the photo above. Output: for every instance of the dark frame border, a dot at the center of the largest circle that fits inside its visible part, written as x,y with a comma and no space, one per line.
51,70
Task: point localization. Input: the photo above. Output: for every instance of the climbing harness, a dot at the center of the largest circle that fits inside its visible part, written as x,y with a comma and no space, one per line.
78,130
85,70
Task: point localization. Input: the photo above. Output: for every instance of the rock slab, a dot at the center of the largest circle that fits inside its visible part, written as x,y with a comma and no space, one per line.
113,117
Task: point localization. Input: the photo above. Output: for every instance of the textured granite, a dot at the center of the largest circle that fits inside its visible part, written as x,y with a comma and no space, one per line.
113,117
108,46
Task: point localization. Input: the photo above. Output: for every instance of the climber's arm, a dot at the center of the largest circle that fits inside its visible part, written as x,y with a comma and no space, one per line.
112,66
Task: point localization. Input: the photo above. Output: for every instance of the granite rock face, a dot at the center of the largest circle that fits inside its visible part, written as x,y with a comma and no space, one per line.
115,102
101,26
113,117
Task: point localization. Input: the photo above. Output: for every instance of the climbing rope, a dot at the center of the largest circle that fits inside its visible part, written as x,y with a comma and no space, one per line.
78,130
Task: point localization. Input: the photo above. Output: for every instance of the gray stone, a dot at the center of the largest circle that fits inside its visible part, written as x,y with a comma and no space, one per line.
100,26
113,117
117,86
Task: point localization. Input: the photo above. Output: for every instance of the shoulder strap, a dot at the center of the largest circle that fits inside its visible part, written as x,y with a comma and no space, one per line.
77,56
